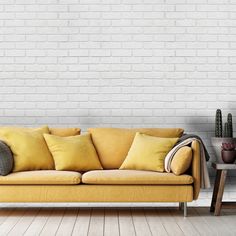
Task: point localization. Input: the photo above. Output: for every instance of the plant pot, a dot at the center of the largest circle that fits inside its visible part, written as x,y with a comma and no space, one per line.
228,156
217,143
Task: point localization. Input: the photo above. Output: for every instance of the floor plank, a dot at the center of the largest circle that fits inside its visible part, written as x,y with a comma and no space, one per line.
23,224
154,223
115,222
199,223
171,227
96,225
111,226
12,220
38,223
228,218
183,222
53,222
82,222
4,213
140,223
213,222
126,223
67,224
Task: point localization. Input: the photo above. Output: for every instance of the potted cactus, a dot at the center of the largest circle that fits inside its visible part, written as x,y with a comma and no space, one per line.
222,135
228,153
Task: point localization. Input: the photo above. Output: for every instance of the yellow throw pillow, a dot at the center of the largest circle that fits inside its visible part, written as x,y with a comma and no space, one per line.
148,153
65,132
75,153
29,148
181,160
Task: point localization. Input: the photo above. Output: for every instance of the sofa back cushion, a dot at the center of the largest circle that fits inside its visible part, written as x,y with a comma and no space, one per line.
113,144
64,132
29,148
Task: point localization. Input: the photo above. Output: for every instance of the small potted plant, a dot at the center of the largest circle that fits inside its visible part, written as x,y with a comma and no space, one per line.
228,153
222,134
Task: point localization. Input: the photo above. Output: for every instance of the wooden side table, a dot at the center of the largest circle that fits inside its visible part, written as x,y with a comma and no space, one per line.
221,174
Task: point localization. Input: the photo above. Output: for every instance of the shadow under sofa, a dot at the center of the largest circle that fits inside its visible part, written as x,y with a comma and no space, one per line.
99,186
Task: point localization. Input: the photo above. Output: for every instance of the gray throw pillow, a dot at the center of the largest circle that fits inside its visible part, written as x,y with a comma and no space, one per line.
6,159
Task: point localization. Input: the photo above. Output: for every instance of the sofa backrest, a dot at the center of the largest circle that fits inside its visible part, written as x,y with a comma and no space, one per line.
64,132
113,144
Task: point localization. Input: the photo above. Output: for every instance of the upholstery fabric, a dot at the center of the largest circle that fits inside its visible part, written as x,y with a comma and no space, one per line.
6,159
181,160
148,153
113,144
64,132
196,168
75,153
96,193
29,148
134,177
37,177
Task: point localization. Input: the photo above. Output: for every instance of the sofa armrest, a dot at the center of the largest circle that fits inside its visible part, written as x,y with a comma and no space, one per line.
196,168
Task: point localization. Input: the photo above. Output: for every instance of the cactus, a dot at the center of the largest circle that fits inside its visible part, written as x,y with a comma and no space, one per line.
218,123
230,125
226,130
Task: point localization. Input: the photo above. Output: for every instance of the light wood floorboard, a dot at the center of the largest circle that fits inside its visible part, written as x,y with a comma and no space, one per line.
184,223
4,213
213,223
229,219
169,223
67,224
82,222
111,226
38,223
140,222
96,225
126,223
155,223
24,223
53,222
12,220
199,223
115,222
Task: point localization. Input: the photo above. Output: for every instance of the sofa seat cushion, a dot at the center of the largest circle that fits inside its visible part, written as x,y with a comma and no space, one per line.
134,177
39,177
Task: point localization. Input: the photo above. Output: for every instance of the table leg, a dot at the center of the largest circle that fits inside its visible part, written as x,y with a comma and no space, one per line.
220,192
215,191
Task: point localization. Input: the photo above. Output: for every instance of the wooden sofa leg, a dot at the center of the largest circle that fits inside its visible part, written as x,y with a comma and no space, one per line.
185,209
181,206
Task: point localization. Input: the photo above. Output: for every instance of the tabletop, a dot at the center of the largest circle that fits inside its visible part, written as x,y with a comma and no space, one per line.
223,166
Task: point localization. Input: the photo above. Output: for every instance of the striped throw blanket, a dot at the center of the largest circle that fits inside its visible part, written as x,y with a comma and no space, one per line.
187,139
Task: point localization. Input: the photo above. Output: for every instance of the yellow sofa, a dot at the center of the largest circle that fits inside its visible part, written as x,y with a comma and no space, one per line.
109,184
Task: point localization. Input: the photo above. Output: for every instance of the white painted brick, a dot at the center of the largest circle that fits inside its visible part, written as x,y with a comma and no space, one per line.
176,15
185,52
185,7
210,53
14,53
24,60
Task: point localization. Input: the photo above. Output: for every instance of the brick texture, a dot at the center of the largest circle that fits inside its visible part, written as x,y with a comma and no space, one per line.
162,63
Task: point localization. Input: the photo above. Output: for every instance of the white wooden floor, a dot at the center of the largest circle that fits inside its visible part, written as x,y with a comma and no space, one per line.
114,221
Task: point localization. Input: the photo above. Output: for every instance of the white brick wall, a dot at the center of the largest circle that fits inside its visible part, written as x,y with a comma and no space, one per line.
117,63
